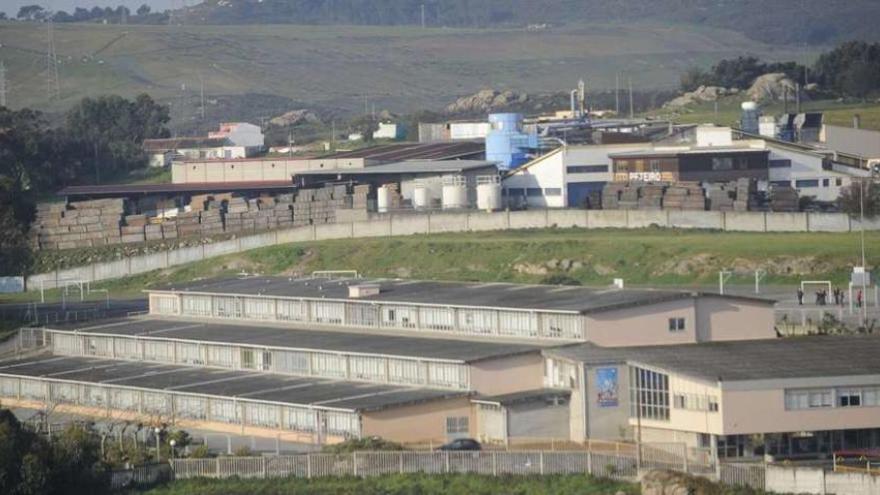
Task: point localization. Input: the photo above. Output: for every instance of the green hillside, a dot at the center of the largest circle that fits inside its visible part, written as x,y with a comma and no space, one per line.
271,68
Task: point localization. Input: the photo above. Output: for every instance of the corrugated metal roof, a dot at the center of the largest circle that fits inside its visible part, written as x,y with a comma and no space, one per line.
406,167
124,189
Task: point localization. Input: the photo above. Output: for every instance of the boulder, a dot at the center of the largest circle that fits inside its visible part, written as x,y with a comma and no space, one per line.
486,100
699,95
659,482
772,87
294,117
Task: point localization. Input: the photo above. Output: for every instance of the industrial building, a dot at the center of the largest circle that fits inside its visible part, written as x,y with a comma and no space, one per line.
789,398
322,359
532,312
231,141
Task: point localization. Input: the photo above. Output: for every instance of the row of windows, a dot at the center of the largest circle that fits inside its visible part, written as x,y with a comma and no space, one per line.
695,402
586,169
649,394
303,363
832,397
473,321
183,405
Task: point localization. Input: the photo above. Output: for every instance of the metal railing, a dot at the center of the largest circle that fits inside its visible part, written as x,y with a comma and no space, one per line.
495,463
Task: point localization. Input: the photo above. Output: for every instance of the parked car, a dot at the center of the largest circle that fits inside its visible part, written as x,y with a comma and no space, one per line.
462,444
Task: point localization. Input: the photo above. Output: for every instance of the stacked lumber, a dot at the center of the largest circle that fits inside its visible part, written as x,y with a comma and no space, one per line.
611,195
684,196
651,197
721,197
77,224
784,198
746,195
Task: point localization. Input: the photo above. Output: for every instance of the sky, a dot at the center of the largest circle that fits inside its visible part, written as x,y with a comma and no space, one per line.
11,6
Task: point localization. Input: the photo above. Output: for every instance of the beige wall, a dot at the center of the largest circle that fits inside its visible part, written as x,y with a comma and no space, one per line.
688,420
417,423
642,325
257,169
720,318
510,374
763,411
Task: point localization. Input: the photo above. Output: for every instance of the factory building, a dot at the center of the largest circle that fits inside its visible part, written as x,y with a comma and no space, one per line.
789,398
563,177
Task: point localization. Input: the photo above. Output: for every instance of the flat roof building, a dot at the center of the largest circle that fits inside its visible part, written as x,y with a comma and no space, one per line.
786,397
496,310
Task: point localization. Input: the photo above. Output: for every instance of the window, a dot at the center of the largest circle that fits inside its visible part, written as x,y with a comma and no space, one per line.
808,398
838,182
849,398
586,169
457,425
807,183
782,183
779,163
552,191
722,163
534,192
649,394
676,324
654,165
695,402
825,182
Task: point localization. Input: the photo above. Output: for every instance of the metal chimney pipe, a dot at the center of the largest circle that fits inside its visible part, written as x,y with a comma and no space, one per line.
573,110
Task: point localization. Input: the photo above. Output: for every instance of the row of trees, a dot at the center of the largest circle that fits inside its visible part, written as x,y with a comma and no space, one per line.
39,13
101,138
852,69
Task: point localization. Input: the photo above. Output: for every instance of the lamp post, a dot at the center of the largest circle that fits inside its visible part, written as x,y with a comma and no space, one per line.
158,430
172,443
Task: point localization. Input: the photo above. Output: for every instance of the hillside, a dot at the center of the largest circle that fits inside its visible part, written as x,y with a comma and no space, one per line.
255,71
781,21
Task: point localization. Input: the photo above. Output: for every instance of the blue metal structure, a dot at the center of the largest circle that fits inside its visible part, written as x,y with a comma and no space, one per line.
506,142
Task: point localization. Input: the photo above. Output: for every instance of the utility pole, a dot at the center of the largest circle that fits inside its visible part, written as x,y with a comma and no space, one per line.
423,16
2,84
617,94
202,96
53,85
630,81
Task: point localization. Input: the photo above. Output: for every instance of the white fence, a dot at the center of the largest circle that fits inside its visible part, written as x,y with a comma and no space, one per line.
495,463
432,223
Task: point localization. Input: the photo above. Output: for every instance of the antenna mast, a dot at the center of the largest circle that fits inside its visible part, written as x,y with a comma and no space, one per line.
2,84
53,86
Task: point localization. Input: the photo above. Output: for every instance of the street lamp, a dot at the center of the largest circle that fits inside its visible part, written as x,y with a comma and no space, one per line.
172,443
158,430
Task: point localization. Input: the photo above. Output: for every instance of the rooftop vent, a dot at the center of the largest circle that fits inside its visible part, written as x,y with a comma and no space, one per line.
363,290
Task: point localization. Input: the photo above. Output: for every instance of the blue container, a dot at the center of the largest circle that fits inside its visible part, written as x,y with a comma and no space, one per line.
506,143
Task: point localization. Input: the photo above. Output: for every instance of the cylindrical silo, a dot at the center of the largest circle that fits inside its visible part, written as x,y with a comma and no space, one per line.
455,192
749,122
489,192
420,197
383,199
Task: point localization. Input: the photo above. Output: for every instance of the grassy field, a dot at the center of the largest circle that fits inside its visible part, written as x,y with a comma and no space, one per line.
836,113
646,257
409,484
401,68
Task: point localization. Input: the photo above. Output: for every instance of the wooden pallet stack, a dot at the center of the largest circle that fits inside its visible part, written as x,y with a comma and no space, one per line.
629,198
746,195
721,197
684,196
611,195
784,198
78,224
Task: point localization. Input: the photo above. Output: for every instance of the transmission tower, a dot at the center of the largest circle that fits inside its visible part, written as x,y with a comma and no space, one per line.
53,85
2,84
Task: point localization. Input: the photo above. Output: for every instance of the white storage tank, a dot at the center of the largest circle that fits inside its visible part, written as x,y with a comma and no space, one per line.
421,199
383,199
455,192
489,192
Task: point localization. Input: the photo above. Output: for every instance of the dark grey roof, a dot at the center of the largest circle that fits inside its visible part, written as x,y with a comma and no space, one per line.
329,340
407,167
524,396
494,295
258,386
796,357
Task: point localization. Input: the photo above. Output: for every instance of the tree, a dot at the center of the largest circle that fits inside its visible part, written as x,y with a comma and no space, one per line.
2,16
851,200
112,130
31,13
143,10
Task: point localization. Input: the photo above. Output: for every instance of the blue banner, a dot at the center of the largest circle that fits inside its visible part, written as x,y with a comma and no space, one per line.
606,387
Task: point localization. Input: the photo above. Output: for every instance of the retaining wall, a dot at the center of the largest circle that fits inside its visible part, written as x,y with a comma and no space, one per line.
384,225
818,481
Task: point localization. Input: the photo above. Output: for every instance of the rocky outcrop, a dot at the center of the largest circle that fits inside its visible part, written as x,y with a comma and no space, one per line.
486,100
699,95
293,117
666,483
773,87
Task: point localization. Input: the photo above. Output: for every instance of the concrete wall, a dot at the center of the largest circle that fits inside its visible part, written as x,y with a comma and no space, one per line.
537,419
419,422
603,421
426,223
644,325
779,479
506,375
727,319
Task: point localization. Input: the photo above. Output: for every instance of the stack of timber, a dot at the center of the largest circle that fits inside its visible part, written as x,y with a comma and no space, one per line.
78,224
